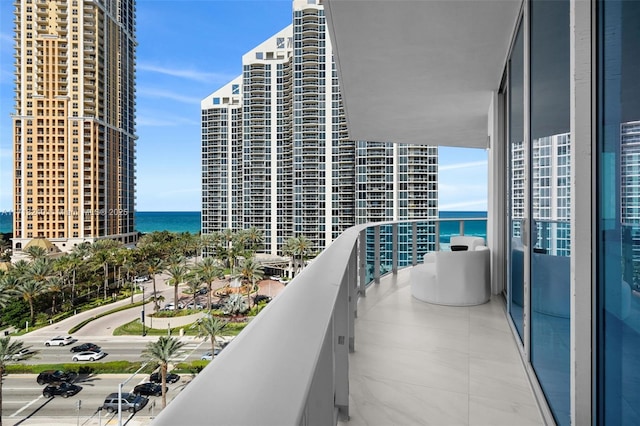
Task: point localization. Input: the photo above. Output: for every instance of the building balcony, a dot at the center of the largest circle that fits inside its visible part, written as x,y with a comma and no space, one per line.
361,348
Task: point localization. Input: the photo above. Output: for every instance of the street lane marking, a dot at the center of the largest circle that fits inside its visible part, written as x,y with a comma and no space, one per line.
26,406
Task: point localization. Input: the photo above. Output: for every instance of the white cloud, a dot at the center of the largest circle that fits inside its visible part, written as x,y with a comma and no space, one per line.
165,94
468,165
205,77
473,205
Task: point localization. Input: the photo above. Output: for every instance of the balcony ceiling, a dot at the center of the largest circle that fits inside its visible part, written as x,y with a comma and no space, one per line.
420,71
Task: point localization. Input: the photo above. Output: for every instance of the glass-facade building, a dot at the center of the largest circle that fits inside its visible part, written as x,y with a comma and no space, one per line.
276,153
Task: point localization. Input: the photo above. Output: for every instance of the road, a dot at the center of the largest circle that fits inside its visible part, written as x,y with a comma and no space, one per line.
24,404
127,348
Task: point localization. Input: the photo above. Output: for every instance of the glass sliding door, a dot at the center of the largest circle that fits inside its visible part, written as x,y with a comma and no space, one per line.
550,201
514,99
618,213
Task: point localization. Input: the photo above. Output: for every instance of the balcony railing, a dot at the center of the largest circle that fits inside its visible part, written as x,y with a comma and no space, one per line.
291,364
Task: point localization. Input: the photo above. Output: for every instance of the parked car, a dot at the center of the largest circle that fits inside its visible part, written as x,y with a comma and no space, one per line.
63,389
55,376
195,306
157,377
141,279
60,341
207,356
172,307
202,290
85,347
128,402
149,389
261,297
88,356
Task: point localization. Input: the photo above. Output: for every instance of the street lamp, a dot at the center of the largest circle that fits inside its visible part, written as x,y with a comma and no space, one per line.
144,332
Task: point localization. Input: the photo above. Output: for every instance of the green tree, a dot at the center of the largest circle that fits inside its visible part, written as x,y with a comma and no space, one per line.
36,252
254,238
177,274
55,285
162,352
29,290
153,267
194,281
208,270
300,249
8,283
10,351
250,272
209,327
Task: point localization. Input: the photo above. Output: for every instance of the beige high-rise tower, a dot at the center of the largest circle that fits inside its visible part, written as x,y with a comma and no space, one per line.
74,121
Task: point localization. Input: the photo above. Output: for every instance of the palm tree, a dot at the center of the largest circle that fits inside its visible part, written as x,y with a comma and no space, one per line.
208,270
194,281
250,272
299,248
177,273
34,282
209,327
9,351
254,238
29,290
55,285
8,283
163,351
154,266
36,252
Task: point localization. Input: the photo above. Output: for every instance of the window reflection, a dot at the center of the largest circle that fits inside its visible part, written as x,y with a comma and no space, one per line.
550,203
619,213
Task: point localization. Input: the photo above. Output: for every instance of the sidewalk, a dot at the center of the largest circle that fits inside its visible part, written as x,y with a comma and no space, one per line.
115,320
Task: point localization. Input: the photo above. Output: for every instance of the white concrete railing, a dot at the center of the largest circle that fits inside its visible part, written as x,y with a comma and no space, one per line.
290,366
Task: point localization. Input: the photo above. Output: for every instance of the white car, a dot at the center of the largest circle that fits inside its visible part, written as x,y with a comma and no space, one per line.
196,306
20,355
88,356
207,356
60,341
141,279
172,307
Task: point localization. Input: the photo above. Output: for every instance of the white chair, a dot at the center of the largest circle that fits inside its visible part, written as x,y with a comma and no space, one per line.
458,278
471,242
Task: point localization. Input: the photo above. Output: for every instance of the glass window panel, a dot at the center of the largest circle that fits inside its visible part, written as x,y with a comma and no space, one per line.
550,232
618,264
516,180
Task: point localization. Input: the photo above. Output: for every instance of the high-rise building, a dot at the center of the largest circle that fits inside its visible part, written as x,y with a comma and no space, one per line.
74,122
276,153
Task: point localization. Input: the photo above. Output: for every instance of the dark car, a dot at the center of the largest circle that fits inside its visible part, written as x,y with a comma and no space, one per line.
261,297
202,290
157,377
55,376
127,402
85,347
148,389
63,389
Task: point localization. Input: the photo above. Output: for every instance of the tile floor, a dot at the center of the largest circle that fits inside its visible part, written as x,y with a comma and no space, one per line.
421,364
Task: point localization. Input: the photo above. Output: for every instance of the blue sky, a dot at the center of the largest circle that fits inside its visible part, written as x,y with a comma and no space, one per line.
188,49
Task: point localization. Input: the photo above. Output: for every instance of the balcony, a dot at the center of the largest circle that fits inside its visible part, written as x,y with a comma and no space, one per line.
346,340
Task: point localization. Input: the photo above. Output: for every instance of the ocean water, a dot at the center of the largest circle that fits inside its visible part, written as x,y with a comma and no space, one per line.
476,228
168,221
145,222
190,222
